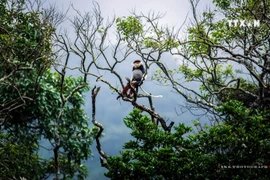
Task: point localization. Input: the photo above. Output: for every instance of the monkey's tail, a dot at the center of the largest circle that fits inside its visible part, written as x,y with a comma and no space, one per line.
158,96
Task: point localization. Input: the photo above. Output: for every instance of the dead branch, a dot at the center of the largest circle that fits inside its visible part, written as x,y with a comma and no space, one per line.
152,108
103,155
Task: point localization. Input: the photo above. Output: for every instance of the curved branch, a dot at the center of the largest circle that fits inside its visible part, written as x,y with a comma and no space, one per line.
103,155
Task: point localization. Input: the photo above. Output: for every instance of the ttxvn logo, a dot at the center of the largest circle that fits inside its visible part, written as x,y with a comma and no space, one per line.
243,23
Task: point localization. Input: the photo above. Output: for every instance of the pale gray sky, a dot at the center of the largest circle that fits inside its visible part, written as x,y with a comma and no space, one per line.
176,10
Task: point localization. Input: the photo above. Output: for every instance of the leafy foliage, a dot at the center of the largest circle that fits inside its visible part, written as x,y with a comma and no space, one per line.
142,33
37,104
241,139
130,26
17,160
152,149
42,115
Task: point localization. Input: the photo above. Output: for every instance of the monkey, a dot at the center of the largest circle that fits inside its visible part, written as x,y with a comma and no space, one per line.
138,76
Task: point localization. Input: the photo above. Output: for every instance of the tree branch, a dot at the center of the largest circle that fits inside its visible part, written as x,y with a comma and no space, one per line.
103,155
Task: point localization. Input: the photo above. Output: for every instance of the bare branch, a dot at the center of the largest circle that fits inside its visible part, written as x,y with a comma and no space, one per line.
103,155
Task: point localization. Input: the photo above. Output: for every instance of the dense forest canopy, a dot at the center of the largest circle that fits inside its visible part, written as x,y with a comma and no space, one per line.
41,101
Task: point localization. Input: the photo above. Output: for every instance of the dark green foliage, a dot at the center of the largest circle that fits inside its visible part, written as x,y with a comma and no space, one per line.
18,160
241,139
236,94
152,154
31,104
38,119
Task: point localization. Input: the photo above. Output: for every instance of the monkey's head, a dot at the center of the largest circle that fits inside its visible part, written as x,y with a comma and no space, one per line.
137,63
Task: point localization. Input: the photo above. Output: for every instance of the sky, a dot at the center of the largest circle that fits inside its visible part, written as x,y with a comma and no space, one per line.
111,112
175,10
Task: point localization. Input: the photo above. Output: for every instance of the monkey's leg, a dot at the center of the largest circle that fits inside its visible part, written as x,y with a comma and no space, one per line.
124,92
134,88
127,87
